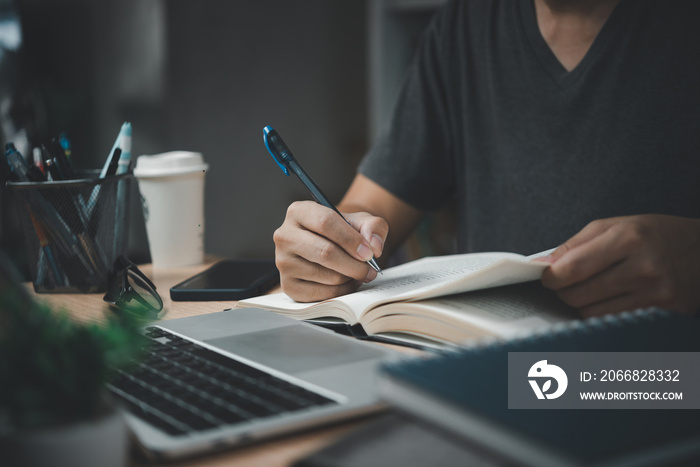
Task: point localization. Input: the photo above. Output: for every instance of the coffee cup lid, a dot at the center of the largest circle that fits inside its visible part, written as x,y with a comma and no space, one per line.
169,164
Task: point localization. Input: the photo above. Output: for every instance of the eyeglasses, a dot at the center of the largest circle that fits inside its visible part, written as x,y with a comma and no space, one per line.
128,288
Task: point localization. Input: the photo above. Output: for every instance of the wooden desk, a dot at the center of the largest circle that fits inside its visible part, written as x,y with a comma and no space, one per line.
278,452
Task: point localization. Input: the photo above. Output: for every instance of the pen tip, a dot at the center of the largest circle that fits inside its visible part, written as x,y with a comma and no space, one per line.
373,263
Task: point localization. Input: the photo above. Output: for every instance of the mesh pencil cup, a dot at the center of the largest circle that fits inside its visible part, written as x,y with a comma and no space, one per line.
73,230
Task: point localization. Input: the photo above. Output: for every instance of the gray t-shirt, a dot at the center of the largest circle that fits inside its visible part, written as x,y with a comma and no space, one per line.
531,152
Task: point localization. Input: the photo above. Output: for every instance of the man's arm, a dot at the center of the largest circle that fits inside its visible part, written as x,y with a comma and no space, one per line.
631,262
320,256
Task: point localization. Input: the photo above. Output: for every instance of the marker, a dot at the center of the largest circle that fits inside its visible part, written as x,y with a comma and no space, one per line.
113,163
285,159
125,146
123,166
38,160
18,165
123,140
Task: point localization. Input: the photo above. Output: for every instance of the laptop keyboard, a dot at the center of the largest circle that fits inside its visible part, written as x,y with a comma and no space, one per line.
182,387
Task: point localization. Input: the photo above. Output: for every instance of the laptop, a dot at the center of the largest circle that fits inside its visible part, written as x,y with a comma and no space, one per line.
231,378
235,377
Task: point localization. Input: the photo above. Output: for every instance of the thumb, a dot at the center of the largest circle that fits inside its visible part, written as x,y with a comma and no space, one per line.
374,229
591,231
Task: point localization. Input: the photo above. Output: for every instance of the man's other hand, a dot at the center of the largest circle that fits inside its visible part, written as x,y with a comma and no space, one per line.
625,263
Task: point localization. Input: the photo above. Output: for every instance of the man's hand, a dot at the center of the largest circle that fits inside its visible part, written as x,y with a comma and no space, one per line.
320,256
625,263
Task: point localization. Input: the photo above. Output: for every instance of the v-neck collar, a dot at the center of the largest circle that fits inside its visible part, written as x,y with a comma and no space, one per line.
550,62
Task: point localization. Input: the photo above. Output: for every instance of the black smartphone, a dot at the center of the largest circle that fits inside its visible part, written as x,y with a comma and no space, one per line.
229,279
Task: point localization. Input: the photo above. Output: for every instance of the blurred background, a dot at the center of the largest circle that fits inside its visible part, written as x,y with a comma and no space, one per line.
207,76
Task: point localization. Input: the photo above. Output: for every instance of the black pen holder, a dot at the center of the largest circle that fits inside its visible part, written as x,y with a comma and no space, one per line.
73,230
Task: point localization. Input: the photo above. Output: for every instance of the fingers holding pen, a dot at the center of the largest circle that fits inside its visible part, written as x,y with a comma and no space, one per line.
361,238
319,255
305,280
373,229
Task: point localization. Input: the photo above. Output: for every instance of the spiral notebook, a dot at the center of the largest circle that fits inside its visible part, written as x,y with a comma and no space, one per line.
465,392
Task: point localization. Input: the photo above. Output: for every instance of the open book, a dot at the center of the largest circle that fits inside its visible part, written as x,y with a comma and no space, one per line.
443,298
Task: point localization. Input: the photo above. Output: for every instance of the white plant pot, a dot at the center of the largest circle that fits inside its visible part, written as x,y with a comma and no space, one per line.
102,442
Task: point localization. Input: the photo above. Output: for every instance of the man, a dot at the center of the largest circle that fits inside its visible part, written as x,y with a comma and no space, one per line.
539,118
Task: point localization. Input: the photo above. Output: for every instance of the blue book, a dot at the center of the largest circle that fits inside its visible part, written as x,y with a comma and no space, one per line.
466,392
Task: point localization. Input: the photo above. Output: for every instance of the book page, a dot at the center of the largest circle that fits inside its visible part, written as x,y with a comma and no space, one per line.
505,312
446,275
427,277
283,304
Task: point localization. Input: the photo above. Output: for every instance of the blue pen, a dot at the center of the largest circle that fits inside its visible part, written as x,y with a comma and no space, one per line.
285,159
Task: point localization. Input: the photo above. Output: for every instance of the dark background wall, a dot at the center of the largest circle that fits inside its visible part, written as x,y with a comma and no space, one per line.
205,76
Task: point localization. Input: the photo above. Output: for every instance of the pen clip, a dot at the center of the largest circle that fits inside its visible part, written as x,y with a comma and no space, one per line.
270,134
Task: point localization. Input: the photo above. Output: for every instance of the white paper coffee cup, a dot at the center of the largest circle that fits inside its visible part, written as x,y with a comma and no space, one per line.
172,197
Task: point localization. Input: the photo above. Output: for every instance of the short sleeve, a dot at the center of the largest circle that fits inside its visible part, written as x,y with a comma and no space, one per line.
412,157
